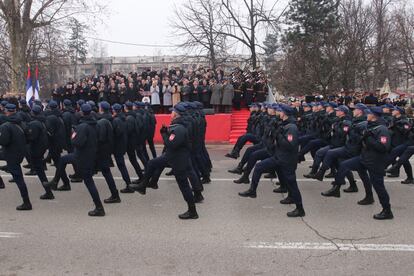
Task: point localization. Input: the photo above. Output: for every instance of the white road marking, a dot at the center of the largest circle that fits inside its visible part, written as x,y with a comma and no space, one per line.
331,246
221,179
9,235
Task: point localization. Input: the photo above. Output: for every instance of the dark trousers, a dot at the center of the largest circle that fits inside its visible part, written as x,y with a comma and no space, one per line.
200,163
333,156
287,175
134,162
55,154
17,174
87,174
61,167
312,147
157,165
181,176
395,152
249,152
120,163
319,156
305,139
404,160
242,140
254,157
37,166
206,156
107,174
150,141
369,177
142,154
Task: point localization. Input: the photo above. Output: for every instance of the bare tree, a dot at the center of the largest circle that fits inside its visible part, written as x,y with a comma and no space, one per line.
197,22
23,17
257,16
404,42
382,40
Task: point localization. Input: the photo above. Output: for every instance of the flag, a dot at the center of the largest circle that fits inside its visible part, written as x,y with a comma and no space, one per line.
37,86
29,87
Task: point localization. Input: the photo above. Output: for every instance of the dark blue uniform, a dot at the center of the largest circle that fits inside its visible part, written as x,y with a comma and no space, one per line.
13,141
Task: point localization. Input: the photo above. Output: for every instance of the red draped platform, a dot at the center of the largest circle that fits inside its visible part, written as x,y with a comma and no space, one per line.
218,127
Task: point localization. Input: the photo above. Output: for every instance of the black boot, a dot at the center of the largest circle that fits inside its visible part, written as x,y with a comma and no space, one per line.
206,180
99,210
368,200
64,187
335,191
27,166
331,174
51,184
386,213
408,181
287,200
113,199
127,189
270,176
234,154
280,190
298,212
2,186
248,193
76,180
141,187
26,206
353,188
191,213
394,171
47,196
4,168
243,180
311,174
237,170
31,172
394,175
153,184
198,197
136,181
320,174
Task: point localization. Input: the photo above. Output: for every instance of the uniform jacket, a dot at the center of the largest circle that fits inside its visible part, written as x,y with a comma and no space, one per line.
12,138
120,134
37,137
287,144
85,143
177,145
376,144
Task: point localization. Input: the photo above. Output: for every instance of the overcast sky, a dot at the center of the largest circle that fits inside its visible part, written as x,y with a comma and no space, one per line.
147,22
138,21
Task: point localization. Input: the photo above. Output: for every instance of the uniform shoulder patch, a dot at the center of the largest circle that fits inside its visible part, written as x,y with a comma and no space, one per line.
290,137
73,135
346,128
172,136
384,139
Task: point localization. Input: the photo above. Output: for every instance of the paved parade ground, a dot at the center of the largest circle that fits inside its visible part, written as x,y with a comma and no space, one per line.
233,236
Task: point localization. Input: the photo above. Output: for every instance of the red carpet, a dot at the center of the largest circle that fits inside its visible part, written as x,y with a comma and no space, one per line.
238,124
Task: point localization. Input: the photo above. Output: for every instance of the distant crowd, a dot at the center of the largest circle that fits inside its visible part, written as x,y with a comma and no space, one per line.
167,87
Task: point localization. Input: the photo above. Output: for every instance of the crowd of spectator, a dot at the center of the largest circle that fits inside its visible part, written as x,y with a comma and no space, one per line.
165,88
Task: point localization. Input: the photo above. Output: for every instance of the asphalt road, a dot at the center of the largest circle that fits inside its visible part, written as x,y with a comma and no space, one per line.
234,236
